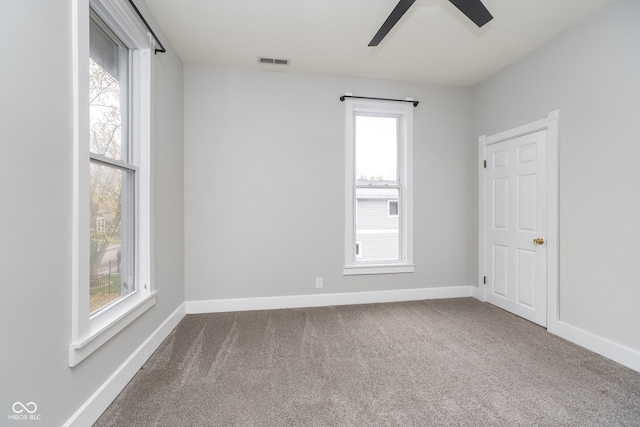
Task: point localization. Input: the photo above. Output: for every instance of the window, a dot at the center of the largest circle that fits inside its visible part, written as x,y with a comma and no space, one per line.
392,207
112,172
112,272
378,188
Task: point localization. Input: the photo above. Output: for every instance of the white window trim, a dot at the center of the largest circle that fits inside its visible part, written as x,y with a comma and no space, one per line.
352,265
88,333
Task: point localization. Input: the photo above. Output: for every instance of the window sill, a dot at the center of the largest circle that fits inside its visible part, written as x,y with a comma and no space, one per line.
353,270
105,328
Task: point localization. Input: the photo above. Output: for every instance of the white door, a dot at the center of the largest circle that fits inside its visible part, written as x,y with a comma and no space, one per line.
516,226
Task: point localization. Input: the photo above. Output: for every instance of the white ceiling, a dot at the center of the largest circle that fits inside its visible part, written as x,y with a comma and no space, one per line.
432,43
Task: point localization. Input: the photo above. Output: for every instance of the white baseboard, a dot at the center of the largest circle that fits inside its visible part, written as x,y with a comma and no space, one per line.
91,410
477,293
323,300
609,349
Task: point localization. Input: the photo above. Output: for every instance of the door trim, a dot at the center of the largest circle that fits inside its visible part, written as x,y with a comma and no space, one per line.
550,123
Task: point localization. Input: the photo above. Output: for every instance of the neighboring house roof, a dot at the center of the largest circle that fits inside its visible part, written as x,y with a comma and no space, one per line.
376,193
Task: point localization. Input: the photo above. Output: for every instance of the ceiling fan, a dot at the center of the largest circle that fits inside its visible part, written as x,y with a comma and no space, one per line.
474,9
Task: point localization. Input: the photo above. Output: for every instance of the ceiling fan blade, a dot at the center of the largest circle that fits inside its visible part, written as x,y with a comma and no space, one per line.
394,17
475,10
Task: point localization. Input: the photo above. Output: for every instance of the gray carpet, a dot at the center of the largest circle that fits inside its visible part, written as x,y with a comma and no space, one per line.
456,362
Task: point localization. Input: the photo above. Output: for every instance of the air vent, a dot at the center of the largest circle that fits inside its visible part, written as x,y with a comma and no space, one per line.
273,61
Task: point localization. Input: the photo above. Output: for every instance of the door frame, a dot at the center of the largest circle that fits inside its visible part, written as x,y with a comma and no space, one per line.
550,123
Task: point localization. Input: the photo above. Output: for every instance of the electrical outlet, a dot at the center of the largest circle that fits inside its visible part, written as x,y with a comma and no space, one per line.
318,282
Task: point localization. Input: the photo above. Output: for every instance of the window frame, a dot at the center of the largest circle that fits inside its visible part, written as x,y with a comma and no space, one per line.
89,332
404,113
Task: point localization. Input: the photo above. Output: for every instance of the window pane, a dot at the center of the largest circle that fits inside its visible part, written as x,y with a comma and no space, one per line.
376,148
111,234
108,94
376,231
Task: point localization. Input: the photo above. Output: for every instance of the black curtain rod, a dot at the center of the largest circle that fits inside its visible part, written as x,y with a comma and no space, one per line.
146,24
415,103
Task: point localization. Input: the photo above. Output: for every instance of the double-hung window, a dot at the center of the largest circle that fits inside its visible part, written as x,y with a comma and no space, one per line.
113,58
378,187
112,171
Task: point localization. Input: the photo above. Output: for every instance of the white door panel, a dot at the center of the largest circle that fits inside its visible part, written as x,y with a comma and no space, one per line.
500,271
515,215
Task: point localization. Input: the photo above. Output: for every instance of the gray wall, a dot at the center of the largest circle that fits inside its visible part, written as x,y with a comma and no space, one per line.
264,184
592,74
36,139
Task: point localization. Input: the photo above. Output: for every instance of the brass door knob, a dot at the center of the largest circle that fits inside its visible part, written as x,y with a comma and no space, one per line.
538,241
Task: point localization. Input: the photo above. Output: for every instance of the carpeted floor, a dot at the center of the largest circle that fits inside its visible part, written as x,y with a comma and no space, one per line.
456,362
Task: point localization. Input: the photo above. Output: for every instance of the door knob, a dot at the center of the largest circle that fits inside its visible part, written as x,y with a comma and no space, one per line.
538,241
